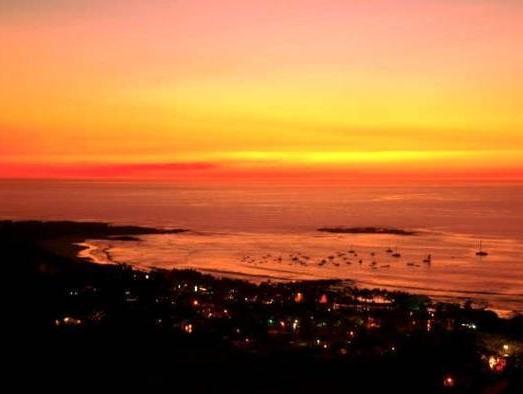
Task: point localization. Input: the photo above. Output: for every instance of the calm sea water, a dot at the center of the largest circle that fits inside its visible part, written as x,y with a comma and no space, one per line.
263,231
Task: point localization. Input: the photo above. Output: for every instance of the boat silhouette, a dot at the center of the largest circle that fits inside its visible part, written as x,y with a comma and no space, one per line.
481,252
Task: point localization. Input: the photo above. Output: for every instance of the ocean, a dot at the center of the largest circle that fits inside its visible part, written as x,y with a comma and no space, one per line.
261,232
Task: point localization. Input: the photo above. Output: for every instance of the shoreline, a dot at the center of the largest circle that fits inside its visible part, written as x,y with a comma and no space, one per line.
458,297
72,247
74,307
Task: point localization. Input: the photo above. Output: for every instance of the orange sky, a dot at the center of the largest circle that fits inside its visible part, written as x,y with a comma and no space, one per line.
232,88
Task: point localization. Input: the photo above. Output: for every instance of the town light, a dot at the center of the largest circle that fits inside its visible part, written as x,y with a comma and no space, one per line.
448,381
497,364
298,298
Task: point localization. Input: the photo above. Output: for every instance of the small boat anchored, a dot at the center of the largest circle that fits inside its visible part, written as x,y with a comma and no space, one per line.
481,252
396,254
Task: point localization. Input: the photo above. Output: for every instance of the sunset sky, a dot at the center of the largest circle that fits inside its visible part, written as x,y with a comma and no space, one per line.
228,89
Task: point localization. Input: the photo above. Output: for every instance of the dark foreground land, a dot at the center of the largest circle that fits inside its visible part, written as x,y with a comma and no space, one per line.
85,327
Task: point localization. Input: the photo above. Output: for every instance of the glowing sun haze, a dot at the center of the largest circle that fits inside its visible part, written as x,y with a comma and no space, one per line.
233,88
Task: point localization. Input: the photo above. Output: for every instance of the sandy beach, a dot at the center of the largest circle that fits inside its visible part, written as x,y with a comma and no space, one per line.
454,272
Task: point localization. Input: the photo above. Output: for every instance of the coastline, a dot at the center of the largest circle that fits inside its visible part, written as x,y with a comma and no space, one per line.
69,247
78,249
95,255
68,239
120,317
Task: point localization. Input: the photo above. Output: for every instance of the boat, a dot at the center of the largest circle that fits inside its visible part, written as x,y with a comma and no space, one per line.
481,252
389,250
428,259
396,253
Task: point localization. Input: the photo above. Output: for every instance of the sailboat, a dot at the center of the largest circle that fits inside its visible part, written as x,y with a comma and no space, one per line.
396,254
481,252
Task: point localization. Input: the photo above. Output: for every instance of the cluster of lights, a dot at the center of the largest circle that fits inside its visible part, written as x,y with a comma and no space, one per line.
497,364
321,344
470,326
68,321
505,349
187,328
